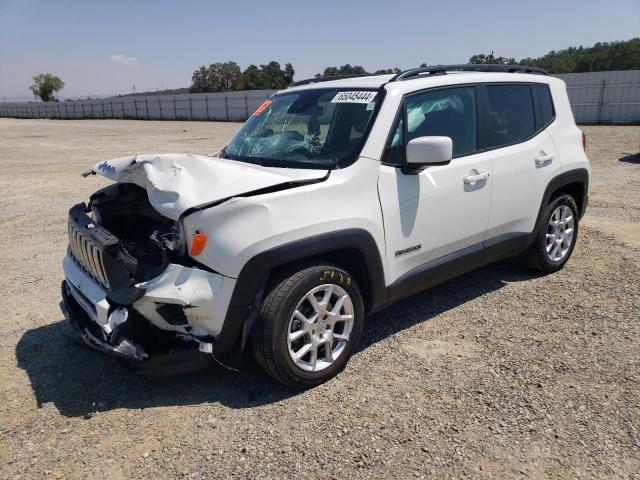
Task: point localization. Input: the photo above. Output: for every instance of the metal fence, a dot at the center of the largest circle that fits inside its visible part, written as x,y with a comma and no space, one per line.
604,97
596,97
196,106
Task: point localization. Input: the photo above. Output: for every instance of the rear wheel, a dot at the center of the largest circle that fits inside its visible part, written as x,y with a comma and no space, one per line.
556,236
309,326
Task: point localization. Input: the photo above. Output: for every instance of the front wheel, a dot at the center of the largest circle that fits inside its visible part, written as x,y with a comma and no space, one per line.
309,326
556,236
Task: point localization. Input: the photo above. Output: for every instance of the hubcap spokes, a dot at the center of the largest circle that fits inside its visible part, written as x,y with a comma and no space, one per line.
560,233
320,327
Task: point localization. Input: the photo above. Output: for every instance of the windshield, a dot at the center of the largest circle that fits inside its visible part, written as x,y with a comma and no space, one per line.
319,128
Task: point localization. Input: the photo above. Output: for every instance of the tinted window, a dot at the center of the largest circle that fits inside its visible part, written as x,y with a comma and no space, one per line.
448,112
546,104
315,128
511,115
393,153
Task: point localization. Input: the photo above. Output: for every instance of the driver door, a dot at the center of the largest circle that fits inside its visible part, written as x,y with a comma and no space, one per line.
434,215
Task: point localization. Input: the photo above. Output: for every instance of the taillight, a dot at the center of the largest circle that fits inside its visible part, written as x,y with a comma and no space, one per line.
584,141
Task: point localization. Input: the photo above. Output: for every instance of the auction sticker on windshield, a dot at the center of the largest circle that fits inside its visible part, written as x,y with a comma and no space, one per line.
354,97
262,107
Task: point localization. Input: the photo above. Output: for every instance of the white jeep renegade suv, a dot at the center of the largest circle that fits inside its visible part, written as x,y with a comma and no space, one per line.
336,198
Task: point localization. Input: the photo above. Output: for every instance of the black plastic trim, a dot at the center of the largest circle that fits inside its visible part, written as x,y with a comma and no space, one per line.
436,271
467,67
255,273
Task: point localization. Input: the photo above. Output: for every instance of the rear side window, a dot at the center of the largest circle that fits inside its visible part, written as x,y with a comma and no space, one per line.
546,104
511,114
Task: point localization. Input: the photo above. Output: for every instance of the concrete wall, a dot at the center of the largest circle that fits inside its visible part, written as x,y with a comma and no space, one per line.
197,106
596,97
604,97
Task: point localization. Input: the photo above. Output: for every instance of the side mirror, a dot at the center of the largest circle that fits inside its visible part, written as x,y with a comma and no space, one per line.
424,151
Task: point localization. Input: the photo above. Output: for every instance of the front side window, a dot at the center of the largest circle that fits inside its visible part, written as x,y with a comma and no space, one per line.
511,114
448,112
318,128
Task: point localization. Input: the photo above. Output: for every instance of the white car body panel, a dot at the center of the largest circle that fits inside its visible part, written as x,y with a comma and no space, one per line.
243,227
517,177
206,296
433,209
178,182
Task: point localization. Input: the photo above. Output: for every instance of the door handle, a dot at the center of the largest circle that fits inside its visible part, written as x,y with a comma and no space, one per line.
476,178
544,159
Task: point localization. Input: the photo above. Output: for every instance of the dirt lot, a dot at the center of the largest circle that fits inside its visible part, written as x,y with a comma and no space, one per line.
499,373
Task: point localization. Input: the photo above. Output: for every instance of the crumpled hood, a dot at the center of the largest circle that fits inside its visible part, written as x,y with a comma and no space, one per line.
178,182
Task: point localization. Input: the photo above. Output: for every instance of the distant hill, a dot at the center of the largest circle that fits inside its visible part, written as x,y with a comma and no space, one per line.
602,56
174,91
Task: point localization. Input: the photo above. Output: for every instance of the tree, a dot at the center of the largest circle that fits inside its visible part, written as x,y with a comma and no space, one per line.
269,76
217,77
346,69
490,59
45,85
384,71
289,72
600,57
252,78
200,80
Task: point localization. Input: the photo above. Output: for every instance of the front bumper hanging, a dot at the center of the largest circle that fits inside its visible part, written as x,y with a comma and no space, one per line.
136,343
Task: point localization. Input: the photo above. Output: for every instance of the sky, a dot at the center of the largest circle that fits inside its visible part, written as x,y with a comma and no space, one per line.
107,47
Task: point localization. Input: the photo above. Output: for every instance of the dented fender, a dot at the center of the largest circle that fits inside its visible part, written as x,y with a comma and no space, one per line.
187,300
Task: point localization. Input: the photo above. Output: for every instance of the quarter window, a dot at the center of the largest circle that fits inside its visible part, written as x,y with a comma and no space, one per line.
393,155
511,114
546,104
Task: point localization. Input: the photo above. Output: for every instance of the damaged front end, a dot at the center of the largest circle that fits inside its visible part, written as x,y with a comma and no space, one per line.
130,289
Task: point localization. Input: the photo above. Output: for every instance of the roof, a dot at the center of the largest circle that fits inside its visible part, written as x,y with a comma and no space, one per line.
439,74
424,81
368,81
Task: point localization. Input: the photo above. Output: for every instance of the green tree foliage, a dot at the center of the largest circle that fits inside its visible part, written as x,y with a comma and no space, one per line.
356,70
45,85
217,77
490,59
343,70
226,77
601,57
384,71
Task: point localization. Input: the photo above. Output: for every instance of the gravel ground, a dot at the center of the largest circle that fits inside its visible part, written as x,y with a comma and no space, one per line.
499,373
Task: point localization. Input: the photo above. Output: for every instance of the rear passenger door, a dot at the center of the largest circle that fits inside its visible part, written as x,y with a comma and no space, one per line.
523,155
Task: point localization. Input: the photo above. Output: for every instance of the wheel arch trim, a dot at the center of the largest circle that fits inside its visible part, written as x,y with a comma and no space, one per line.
253,277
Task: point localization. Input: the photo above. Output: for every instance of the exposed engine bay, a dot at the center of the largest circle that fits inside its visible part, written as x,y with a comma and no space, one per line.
121,241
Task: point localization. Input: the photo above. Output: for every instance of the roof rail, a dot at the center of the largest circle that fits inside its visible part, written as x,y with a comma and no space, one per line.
469,67
329,78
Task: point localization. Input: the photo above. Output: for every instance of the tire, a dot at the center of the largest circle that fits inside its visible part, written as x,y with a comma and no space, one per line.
282,312
537,256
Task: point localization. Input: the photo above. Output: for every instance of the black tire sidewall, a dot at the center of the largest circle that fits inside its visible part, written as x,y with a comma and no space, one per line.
541,241
316,276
